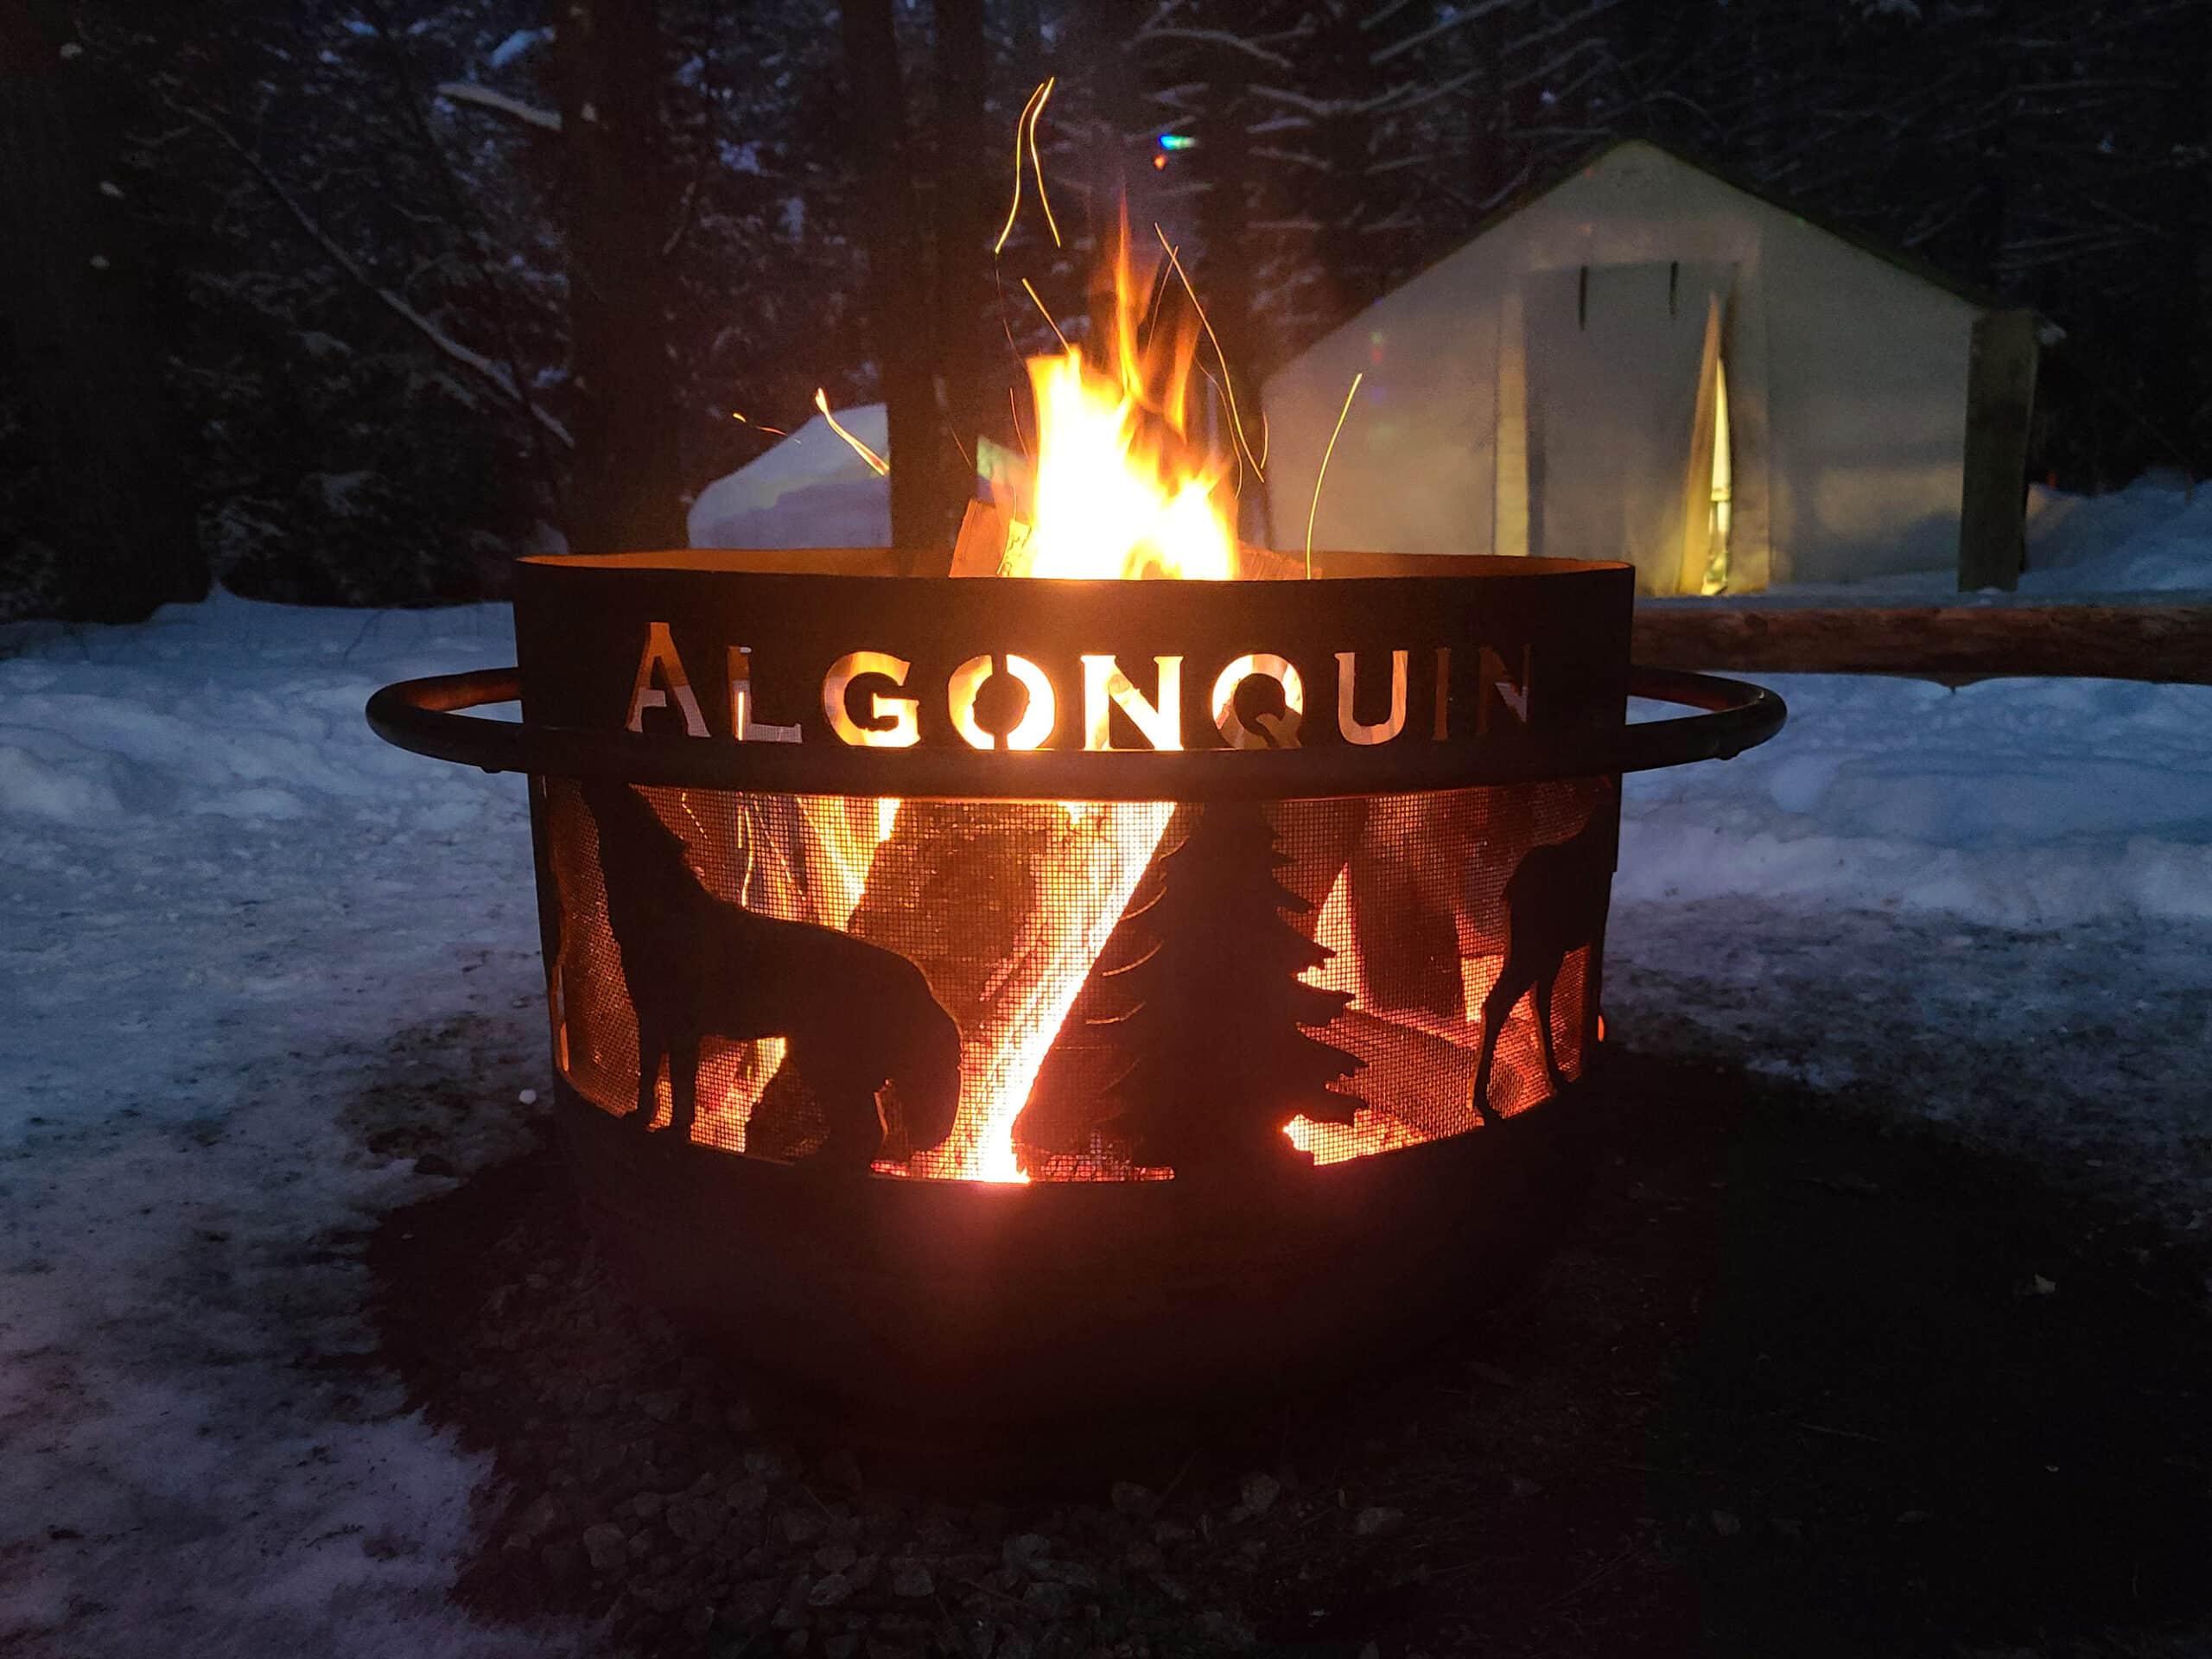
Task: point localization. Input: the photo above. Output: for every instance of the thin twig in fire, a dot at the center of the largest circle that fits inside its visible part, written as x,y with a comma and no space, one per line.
1025,132
1037,161
1236,455
1236,422
1015,352
1324,472
882,467
1043,313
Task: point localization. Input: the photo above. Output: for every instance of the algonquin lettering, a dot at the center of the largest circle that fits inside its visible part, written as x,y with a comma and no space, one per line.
1036,723
659,657
1105,688
1274,731
742,726
1348,724
1492,679
891,717
898,719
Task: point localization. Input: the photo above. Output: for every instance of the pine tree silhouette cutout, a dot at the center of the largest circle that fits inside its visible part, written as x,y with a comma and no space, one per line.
1221,1060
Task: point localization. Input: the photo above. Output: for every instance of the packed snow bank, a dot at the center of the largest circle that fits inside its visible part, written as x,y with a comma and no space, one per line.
233,709
2153,537
811,490
2016,803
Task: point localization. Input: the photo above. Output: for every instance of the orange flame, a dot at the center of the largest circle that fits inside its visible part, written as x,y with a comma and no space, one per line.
1119,492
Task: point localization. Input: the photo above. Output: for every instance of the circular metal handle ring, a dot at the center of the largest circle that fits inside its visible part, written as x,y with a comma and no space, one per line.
426,716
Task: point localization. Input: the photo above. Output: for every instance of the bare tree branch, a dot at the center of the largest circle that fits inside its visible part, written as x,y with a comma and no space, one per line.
483,98
1215,37
1422,37
475,361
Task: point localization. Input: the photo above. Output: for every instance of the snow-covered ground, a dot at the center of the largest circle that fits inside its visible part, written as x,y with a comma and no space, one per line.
232,920
266,978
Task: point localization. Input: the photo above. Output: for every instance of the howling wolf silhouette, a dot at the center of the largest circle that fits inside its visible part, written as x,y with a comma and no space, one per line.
855,1016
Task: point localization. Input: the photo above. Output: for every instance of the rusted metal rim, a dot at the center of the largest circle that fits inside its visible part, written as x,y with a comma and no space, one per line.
425,716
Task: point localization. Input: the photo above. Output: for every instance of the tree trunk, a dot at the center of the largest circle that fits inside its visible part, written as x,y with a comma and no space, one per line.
623,491
1997,186
921,515
969,357
1028,29
2184,130
1224,275
1095,47
77,314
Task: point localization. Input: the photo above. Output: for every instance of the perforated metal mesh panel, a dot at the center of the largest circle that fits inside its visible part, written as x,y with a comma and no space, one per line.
773,935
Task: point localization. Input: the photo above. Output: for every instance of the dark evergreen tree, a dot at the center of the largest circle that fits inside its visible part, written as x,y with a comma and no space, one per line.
1222,1061
624,474
380,306
77,331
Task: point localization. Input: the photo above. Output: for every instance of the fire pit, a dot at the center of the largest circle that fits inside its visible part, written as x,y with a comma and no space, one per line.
1032,997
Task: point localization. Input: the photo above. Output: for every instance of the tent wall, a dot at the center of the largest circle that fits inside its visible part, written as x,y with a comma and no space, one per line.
1868,393
1414,469
1847,381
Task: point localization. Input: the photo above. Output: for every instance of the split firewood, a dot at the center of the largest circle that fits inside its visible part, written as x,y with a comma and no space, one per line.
980,549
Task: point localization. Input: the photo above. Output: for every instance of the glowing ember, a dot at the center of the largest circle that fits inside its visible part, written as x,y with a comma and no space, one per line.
1369,1131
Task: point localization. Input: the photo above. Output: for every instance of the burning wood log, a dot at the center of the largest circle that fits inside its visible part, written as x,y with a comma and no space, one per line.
1074,1091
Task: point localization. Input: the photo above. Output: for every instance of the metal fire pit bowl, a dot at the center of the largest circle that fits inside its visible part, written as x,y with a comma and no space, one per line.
1018,999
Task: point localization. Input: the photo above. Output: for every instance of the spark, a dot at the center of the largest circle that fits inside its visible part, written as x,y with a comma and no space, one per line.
1234,420
1324,473
756,425
1159,292
1037,161
1020,134
882,467
1043,313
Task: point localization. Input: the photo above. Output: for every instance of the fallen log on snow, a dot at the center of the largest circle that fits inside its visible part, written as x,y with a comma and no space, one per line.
2167,642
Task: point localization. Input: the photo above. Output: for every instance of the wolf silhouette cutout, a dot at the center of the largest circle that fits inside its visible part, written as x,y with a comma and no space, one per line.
1556,902
855,1016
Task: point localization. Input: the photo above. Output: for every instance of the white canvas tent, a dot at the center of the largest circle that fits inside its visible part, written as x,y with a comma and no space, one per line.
1647,362
809,490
